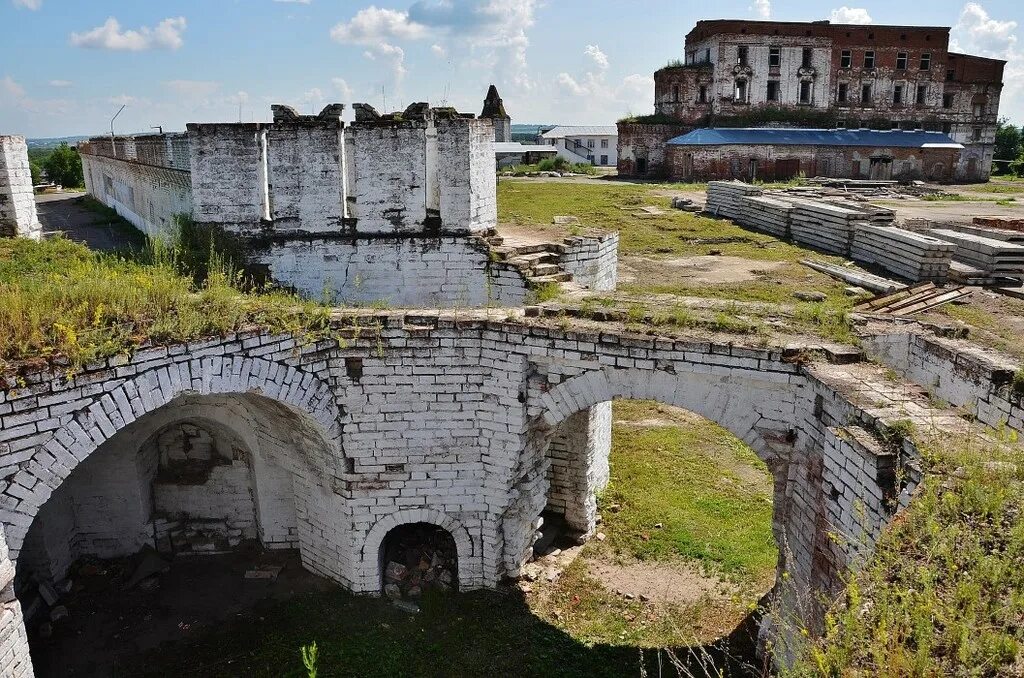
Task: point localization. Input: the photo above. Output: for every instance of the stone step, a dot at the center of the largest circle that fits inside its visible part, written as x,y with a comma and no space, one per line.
546,269
556,278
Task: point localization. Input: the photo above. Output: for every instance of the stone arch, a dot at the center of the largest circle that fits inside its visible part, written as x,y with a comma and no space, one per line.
367,579
723,399
84,430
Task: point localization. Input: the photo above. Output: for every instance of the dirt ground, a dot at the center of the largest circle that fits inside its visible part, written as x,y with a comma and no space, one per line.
700,269
109,626
66,213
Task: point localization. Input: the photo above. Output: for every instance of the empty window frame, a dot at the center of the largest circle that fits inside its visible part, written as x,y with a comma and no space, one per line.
805,57
773,90
901,61
976,134
844,92
947,100
740,93
806,92
846,59
926,61
869,59
922,95
675,92
865,94
774,57
897,95
707,55
741,55
950,75
702,94
947,128
978,110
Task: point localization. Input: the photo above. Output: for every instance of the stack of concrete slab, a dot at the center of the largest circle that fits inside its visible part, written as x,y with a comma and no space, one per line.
910,255
724,198
1016,237
997,258
823,226
881,216
767,213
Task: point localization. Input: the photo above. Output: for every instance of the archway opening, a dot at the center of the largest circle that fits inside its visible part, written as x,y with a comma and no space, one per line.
192,513
418,559
676,515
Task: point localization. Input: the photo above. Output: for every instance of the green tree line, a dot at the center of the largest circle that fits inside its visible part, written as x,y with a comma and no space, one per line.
1009,148
60,165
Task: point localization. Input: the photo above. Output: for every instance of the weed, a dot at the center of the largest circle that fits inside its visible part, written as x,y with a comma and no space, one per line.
548,291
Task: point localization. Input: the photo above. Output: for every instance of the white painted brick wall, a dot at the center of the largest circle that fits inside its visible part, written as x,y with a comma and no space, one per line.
17,201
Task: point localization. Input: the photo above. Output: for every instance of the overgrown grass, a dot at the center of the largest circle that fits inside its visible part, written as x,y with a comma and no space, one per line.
61,301
942,594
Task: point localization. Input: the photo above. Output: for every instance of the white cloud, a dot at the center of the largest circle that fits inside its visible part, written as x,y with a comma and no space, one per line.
61,83
976,32
29,4
166,35
342,88
763,8
11,88
121,100
439,50
494,28
850,15
599,57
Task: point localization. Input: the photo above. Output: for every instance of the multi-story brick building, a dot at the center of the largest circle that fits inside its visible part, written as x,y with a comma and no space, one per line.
821,75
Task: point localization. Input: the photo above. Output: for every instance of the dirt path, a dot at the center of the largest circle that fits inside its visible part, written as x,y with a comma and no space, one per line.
66,213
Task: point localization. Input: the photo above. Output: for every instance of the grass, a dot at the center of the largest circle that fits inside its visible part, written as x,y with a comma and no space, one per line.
710,493
1000,330
63,302
941,595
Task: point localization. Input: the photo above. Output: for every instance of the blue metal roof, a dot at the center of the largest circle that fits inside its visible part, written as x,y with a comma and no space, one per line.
814,137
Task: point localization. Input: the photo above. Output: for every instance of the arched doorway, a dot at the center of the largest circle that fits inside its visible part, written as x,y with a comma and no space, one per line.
418,559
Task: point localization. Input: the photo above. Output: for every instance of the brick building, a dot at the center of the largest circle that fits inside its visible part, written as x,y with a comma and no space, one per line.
820,75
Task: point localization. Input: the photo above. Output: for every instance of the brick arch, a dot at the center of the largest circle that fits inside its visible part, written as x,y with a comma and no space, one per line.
88,428
742,404
368,575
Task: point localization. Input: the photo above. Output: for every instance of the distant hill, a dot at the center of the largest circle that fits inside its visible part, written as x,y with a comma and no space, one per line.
53,142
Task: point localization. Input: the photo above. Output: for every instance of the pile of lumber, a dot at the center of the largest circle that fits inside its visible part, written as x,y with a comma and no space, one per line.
766,213
909,255
724,198
913,300
824,226
996,258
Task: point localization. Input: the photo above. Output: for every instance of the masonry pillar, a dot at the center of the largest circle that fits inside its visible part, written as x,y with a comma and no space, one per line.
579,466
17,201
14,655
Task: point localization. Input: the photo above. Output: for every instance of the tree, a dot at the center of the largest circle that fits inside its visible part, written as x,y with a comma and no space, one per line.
1009,142
37,172
64,167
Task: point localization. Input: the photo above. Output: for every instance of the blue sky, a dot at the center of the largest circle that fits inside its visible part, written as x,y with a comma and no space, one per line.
67,65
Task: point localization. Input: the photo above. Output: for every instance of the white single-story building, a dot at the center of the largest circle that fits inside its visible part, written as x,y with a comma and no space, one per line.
596,144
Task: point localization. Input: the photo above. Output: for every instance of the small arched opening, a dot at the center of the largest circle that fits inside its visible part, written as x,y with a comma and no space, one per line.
418,559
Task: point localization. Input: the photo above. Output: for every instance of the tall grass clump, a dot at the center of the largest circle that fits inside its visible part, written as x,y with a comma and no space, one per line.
942,594
60,301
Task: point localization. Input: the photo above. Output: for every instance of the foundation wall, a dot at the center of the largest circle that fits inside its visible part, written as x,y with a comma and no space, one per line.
148,196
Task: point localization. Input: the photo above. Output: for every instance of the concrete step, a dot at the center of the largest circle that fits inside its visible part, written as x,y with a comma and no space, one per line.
556,278
546,269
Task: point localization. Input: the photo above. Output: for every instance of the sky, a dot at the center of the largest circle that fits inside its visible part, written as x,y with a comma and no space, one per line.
67,66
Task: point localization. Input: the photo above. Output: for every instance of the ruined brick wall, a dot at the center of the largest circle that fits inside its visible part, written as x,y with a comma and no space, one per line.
641,149
147,196
593,260
305,176
229,175
778,162
17,200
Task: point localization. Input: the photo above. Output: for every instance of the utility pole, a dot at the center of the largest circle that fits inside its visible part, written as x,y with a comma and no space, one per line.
113,145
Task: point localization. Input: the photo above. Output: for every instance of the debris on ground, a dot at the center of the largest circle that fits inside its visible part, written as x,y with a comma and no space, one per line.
913,300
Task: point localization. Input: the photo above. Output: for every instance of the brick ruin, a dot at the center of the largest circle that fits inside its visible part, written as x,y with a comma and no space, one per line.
819,75
17,201
397,209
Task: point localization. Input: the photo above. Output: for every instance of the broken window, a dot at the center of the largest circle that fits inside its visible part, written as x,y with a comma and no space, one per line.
805,60
740,94
741,55
901,61
865,94
774,56
843,92
702,94
773,90
922,94
950,74
947,100
926,61
846,60
869,59
707,55
805,92
897,95
978,109
976,134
